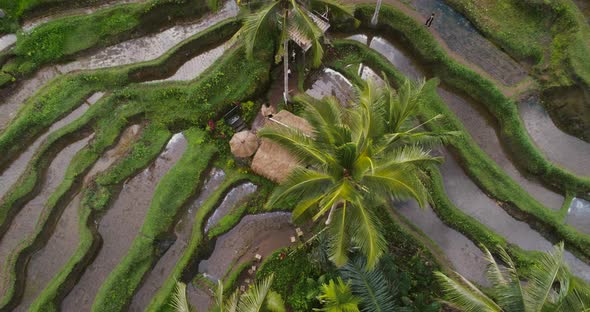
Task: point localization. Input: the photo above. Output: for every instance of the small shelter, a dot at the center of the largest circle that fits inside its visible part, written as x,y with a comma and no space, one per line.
272,160
243,144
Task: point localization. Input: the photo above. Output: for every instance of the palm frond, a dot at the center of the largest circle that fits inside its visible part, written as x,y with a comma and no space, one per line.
253,299
366,234
339,241
369,285
337,297
465,296
179,301
256,24
543,276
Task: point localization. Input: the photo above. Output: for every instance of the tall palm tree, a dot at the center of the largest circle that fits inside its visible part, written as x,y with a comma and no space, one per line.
273,20
352,164
550,286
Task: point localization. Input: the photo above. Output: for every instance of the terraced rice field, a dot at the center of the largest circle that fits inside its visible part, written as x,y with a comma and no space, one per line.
113,185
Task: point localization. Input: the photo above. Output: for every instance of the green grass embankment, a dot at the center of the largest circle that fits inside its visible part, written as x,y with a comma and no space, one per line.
65,93
63,38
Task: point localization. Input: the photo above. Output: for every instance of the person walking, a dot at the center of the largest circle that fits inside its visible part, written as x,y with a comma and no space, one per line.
429,21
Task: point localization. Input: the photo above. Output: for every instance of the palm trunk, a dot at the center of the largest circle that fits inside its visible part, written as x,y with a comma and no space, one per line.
286,61
331,214
375,17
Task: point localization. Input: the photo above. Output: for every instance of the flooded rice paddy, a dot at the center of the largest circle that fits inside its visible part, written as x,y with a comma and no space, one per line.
156,277
24,222
264,233
12,173
121,223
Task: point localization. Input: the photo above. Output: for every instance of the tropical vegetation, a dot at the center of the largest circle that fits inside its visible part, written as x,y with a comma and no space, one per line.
549,286
359,156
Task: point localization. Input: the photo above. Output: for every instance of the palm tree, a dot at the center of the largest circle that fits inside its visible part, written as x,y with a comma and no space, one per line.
273,19
337,297
354,165
258,297
550,286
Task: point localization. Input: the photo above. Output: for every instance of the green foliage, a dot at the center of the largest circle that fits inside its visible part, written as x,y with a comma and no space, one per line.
274,302
337,297
509,293
294,278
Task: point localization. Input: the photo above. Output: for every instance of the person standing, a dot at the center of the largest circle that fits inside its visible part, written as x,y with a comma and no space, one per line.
429,21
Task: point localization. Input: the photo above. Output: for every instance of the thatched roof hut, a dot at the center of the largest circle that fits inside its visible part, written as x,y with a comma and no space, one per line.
272,160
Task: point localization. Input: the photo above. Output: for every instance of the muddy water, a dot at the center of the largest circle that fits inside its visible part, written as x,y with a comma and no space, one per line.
366,73
471,200
559,147
156,277
578,215
331,83
28,25
234,198
262,234
117,152
11,104
47,262
196,66
461,37
149,47
398,57
467,259
121,224
18,166
25,221
480,124
7,41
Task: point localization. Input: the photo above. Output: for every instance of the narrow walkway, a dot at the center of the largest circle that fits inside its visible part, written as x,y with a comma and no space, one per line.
464,44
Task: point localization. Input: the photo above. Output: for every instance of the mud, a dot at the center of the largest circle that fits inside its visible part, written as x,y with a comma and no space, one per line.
233,199
196,66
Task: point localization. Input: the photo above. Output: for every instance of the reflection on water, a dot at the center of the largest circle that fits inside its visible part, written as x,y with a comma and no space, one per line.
331,83
196,66
7,41
578,215
149,47
234,198
559,147
467,259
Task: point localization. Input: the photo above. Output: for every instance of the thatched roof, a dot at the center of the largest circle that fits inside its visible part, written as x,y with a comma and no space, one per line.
272,160
243,144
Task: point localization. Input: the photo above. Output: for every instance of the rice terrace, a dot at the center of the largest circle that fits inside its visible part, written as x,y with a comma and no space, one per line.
295,155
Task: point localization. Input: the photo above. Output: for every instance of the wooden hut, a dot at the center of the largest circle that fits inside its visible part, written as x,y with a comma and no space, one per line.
272,160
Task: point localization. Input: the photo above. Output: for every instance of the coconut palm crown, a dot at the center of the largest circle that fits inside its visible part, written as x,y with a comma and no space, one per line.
352,164
549,286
